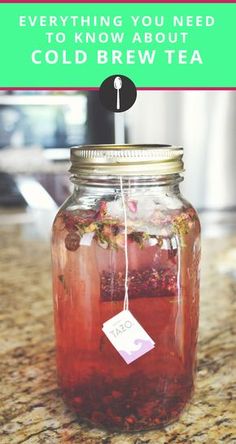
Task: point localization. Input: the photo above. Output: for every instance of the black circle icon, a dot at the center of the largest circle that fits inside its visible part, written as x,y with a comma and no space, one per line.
117,93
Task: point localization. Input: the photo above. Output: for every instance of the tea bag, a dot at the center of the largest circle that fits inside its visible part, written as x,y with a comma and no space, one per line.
124,331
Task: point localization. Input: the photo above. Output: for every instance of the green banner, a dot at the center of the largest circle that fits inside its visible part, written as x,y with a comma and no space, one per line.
156,45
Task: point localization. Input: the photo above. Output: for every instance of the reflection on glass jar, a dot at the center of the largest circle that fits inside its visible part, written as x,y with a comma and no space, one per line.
163,235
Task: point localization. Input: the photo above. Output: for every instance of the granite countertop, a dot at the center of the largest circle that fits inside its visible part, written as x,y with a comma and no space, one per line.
31,409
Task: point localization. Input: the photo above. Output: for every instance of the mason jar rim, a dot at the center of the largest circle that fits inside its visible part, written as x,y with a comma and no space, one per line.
127,159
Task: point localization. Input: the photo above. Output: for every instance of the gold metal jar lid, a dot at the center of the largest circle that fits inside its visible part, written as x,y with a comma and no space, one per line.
134,160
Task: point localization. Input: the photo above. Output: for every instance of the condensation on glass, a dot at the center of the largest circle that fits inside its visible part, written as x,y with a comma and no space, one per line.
88,281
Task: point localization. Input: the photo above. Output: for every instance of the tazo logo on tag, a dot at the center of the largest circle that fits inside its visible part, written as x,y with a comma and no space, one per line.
127,336
121,328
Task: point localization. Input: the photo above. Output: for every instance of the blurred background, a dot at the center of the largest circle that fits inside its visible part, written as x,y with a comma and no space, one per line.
37,128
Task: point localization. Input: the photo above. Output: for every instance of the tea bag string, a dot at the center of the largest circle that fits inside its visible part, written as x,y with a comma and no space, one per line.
179,287
126,297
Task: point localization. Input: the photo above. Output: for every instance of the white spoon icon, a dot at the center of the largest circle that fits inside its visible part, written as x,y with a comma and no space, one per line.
117,86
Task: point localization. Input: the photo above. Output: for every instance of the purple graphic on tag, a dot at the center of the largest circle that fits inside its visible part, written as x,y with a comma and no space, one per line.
144,347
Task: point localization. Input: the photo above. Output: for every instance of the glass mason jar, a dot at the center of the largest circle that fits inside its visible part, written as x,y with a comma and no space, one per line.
163,246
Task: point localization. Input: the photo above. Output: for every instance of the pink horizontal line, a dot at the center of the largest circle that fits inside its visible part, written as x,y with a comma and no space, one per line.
186,88
45,88
121,1
141,88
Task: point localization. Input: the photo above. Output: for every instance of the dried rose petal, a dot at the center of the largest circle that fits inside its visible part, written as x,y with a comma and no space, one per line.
192,213
107,230
115,394
132,205
87,218
115,229
69,222
160,218
72,241
103,207
130,419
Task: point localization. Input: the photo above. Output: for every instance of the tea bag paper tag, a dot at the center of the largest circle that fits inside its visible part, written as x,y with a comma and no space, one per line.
127,336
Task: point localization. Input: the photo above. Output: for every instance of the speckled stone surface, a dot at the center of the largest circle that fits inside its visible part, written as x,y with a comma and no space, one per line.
31,409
